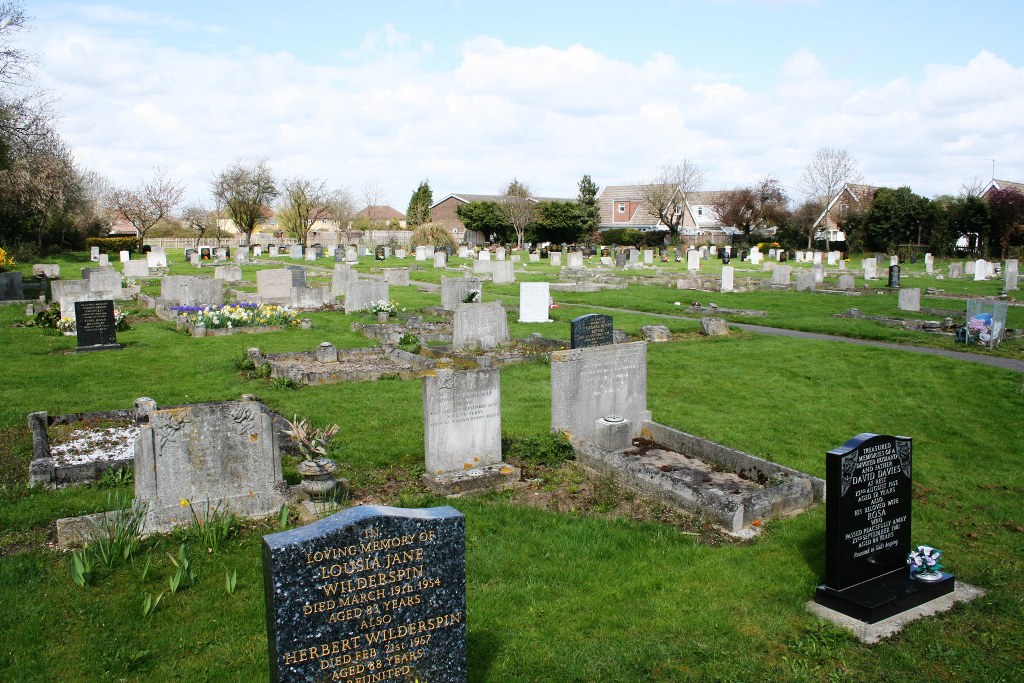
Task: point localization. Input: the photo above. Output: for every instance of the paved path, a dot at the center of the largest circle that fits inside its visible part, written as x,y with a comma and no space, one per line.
994,361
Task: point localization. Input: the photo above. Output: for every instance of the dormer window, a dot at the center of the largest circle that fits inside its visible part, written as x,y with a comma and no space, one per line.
700,211
622,207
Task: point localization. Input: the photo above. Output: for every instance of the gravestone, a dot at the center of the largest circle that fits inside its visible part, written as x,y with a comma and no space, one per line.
400,253
574,259
379,253
462,431
480,267
295,251
910,299
894,277
648,256
156,259
980,269
11,286
894,261
229,273
273,250
398,277
1010,283
534,258
484,255
139,268
342,275
274,284
103,261
242,255
846,282
312,254
223,252
194,259
479,324
714,327
929,264
755,257
555,258
805,281
361,293
867,531
819,273
620,259
499,254
94,253
727,278
534,302
361,250
781,275
503,273
124,255
421,253
298,275
870,268
1012,265
257,250
208,453
593,329
956,271
693,260
440,259
593,382
454,291
970,268
95,326
369,593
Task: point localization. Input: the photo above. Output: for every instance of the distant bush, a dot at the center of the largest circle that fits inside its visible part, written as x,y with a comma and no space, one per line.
112,245
433,235
632,237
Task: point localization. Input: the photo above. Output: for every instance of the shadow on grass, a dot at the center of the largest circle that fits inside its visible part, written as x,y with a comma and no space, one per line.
481,648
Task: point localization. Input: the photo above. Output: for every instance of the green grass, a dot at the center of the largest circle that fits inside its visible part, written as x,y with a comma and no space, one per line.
551,597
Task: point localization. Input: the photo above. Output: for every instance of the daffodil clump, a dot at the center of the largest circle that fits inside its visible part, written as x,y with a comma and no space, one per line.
5,260
237,315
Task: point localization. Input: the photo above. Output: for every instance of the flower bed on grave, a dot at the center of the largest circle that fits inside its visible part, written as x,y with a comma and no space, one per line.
239,318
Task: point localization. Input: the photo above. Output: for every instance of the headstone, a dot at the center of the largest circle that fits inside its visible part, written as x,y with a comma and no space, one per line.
194,259
124,255
50,271
590,383
755,258
819,273
980,269
257,250
1012,265
714,327
242,255
727,278
351,255
499,254
400,253
970,268
274,284
620,259
929,264
94,253
326,352
379,254
534,258
454,291
534,302
421,253
440,259
361,293
397,277
479,324
342,275
298,275
832,258
485,255
910,299
273,250
894,261
1010,283
633,255
956,271
593,329
846,282
103,261
217,453
870,268
894,277
555,258
656,333
229,273
867,531
805,281
574,260
156,259
95,326
648,256
781,275
503,273
295,251
105,281
693,260
369,593
311,254
139,268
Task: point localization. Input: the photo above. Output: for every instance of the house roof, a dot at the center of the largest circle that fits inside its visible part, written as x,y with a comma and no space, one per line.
467,198
1003,185
699,205
386,213
860,193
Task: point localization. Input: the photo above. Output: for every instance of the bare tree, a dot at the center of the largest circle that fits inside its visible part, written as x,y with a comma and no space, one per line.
824,178
148,204
737,208
373,202
305,201
200,220
665,195
517,205
13,60
243,190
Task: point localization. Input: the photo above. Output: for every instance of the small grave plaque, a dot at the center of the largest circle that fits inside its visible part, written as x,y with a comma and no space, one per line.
94,323
371,593
591,330
867,531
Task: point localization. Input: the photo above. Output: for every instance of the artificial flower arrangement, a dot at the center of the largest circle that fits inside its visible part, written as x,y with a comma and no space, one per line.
925,563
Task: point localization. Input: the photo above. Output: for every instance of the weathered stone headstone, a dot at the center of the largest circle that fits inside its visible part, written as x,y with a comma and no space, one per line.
714,327
499,254
479,324
369,593
503,273
379,254
312,254
485,255
648,256
104,261
574,260
929,264
727,278
421,253
781,275
156,259
1010,283
295,251
846,282
956,271
620,259
298,275
454,291
94,253
95,326
805,281
555,258
398,277
274,284
342,275
593,382
980,269
894,277
1012,265
208,453
124,255
870,268
534,302
970,268
894,261
229,273
693,260
867,531
910,299
361,293
656,333
440,259
819,273
593,329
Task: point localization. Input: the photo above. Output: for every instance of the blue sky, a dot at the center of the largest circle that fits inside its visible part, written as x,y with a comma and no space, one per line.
471,94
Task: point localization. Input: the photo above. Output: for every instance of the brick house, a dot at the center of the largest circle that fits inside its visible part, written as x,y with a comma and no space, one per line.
854,197
621,206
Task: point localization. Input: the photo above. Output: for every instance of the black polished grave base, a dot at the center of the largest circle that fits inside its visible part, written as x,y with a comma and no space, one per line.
885,596
98,347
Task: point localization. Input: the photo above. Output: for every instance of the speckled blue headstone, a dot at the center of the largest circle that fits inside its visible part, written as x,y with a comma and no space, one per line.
371,593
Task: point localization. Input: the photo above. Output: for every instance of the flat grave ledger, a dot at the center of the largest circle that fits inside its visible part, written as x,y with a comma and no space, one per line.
370,593
593,329
867,531
95,326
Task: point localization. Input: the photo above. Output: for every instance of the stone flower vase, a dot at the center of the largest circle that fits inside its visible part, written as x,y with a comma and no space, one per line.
318,477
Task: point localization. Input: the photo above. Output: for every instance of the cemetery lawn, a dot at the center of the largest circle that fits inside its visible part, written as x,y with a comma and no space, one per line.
586,595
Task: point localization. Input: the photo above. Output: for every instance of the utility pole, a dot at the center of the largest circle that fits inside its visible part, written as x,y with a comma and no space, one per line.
993,168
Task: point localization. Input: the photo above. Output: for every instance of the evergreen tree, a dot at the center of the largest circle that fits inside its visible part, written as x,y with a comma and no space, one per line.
590,213
418,212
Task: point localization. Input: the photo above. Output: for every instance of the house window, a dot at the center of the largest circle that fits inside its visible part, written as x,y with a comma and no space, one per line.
843,208
622,207
700,212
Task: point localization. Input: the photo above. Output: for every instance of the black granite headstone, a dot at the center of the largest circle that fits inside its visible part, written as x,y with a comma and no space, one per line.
593,329
371,593
379,254
95,325
298,276
894,277
867,531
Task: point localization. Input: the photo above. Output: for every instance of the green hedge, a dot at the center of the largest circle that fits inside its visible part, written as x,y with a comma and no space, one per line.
629,236
112,245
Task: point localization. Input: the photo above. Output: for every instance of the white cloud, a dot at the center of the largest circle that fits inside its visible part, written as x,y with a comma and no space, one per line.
544,114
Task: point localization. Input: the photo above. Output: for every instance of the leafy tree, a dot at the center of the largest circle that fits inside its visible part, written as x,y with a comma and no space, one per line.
665,195
824,178
898,217
561,222
147,204
518,208
487,219
736,208
418,212
243,190
1006,210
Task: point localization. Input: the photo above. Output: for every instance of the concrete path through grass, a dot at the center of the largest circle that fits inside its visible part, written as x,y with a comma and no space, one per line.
995,361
